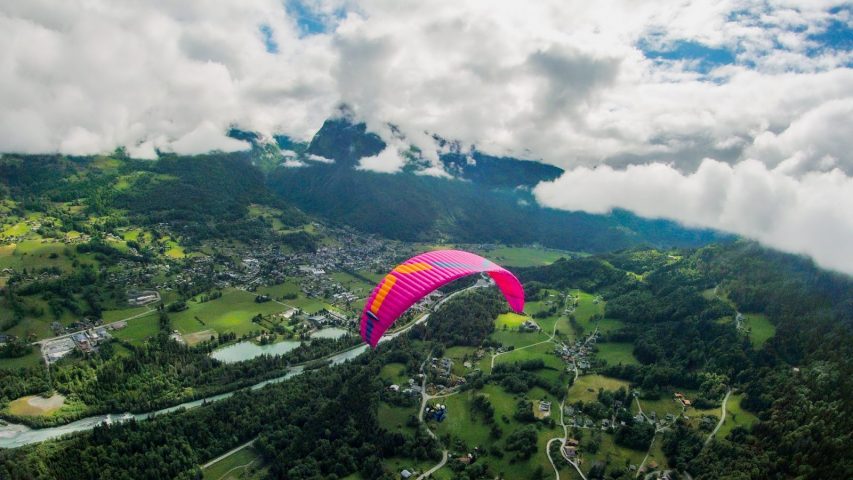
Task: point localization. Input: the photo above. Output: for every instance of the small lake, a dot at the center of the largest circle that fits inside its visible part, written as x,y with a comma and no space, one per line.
331,332
249,350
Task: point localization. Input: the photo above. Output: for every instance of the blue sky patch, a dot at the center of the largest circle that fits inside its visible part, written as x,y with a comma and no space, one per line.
310,21
837,36
704,57
269,41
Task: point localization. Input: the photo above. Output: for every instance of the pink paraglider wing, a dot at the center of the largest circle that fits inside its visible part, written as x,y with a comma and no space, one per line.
418,276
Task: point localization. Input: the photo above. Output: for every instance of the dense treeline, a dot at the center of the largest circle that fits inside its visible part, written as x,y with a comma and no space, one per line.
467,319
310,427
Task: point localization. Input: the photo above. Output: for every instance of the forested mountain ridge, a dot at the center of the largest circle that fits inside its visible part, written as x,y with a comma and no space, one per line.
487,200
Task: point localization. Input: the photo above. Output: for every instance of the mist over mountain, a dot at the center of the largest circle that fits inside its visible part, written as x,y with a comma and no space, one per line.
478,197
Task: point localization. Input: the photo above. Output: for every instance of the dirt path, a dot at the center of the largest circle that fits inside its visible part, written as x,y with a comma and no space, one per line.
229,453
436,467
237,468
722,417
549,339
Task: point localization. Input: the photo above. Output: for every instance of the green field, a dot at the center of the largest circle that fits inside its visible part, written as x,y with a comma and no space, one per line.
510,321
243,464
666,404
612,455
139,329
516,339
616,353
459,356
524,256
736,416
32,359
31,254
586,387
543,351
114,315
760,329
395,373
394,418
468,427
232,312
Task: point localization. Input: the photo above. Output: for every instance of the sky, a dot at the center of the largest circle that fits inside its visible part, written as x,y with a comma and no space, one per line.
734,115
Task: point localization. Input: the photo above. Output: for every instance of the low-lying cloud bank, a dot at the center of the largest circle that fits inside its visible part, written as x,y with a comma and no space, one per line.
810,214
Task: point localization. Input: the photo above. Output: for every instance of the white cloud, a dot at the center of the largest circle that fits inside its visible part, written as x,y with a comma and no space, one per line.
389,160
319,159
292,163
807,215
207,137
565,82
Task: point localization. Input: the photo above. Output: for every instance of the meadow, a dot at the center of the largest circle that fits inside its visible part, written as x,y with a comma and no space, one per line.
617,352
760,329
586,387
524,256
244,464
232,312
736,416
469,427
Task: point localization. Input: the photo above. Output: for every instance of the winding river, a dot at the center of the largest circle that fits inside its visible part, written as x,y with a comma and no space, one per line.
15,435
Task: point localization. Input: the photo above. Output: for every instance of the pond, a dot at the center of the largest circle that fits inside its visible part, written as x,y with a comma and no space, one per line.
249,350
331,332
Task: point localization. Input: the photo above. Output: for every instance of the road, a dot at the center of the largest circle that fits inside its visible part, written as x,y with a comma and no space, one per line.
424,398
66,335
436,467
722,417
562,439
229,453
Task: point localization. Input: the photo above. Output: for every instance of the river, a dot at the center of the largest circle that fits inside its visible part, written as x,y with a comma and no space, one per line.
14,435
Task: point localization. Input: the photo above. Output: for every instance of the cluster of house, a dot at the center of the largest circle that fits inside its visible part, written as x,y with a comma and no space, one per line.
442,371
86,341
528,326
412,389
578,354
136,273
684,400
436,412
328,318
85,323
570,448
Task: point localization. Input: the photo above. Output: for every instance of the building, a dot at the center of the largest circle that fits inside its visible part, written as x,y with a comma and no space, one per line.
529,326
570,451
405,474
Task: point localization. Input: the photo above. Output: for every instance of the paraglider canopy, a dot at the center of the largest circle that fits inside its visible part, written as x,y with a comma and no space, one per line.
418,276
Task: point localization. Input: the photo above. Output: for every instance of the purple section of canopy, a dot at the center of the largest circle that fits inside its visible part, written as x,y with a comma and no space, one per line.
444,266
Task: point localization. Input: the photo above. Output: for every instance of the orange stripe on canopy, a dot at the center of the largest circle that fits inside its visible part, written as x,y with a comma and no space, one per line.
387,283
